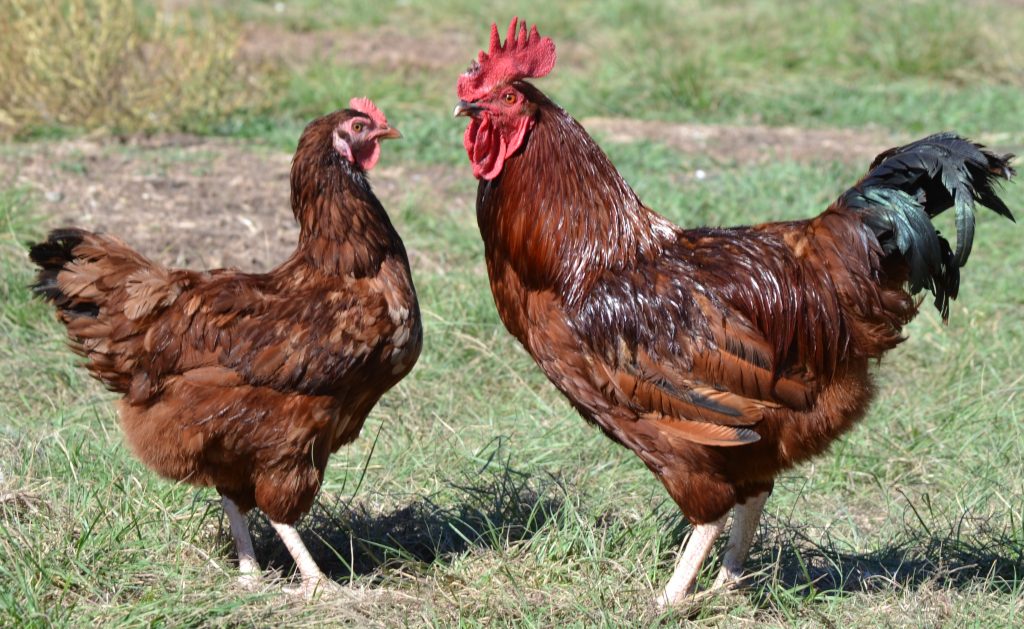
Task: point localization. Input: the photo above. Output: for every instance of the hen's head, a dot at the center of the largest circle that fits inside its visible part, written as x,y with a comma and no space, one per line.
489,93
354,134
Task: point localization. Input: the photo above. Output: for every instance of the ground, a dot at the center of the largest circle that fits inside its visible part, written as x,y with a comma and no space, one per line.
476,495
207,202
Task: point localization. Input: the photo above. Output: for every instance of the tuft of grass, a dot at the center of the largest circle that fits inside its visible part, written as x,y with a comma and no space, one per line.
107,64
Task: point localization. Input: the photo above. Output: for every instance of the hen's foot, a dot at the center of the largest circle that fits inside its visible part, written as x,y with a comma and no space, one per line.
697,547
315,588
728,580
250,581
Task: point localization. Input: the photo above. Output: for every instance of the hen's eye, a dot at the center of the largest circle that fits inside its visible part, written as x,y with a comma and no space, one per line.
357,127
510,98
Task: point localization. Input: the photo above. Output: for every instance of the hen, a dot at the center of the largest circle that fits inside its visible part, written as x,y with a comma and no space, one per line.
719,356
248,382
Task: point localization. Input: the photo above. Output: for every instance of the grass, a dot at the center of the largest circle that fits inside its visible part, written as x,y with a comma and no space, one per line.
809,63
476,495
81,65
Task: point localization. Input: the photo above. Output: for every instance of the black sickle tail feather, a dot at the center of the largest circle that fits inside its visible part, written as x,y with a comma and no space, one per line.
52,255
908,185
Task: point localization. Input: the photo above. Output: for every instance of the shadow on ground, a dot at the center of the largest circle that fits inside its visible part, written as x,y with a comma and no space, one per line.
502,506
790,563
966,555
499,507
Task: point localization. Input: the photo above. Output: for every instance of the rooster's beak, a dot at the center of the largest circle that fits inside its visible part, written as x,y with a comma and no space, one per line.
463,108
389,133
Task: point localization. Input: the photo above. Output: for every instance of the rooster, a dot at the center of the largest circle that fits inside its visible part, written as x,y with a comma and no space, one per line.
720,357
248,382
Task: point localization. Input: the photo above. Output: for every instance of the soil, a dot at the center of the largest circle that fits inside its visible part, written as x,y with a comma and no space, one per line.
181,200
385,47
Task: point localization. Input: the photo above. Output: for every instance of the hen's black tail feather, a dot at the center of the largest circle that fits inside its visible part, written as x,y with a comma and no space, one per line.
52,255
908,185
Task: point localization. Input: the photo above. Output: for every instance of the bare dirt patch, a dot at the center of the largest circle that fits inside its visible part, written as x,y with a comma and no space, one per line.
179,200
751,144
183,201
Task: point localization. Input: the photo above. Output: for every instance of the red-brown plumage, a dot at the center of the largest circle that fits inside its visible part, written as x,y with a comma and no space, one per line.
719,356
248,382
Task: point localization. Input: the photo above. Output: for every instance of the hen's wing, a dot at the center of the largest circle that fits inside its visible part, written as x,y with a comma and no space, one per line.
138,323
301,339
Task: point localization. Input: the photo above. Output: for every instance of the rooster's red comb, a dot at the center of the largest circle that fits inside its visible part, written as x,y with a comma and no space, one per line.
522,56
366,106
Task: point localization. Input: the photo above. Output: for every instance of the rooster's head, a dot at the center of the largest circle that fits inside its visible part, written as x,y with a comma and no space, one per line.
490,94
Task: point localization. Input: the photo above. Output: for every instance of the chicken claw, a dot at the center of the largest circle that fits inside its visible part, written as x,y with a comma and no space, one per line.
315,588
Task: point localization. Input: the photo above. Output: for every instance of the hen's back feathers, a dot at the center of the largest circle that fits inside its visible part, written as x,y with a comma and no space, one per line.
908,185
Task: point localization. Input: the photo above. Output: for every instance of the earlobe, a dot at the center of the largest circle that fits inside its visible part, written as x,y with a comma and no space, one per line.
517,133
343,148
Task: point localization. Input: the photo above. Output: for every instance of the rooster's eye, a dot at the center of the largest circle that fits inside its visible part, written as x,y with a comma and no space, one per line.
510,98
357,127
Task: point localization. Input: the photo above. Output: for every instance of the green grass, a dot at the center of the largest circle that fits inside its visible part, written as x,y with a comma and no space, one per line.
476,495
907,67
486,499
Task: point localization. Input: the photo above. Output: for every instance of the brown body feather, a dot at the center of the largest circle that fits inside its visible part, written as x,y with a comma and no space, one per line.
719,356
248,382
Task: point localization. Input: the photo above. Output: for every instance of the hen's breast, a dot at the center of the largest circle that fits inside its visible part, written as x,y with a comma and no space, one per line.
396,344
402,346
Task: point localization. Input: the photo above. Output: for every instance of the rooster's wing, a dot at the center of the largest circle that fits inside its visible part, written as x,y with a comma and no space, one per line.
695,367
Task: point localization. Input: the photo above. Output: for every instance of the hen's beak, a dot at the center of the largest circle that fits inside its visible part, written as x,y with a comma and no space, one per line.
463,108
390,133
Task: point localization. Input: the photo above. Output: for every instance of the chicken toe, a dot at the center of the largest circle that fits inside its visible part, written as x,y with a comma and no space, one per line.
314,588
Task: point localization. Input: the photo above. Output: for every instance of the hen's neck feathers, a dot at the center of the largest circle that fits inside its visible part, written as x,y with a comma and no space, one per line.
344,230
560,212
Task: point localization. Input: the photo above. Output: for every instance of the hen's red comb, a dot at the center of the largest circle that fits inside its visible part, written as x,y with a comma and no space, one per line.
366,106
522,56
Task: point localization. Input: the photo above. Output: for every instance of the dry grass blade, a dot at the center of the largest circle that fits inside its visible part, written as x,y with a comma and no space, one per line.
104,64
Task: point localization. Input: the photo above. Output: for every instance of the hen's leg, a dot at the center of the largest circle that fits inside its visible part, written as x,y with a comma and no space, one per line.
247,563
741,536
313,580
702,538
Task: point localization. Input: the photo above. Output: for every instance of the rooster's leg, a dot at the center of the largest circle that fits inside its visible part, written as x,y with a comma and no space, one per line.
702,538
741,536
247,563
313,580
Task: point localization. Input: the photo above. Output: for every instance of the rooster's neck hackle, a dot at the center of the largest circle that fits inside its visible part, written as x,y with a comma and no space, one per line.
560,211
